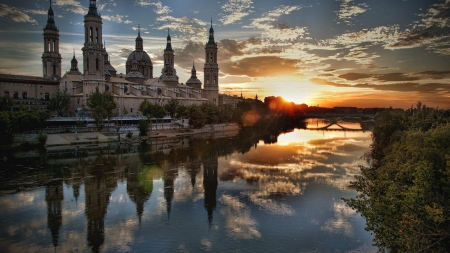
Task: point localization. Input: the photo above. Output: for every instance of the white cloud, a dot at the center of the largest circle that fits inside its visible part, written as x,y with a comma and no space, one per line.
236,10
72,6
116,18
349,10
15,14
278,31
160,8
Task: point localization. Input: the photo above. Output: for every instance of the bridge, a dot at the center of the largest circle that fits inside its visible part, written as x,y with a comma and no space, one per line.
342,128
335,118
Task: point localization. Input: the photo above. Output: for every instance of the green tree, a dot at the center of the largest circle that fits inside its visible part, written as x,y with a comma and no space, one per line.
102,106
6,103
225,113
143,127
405,193
151,110
197,118
171,107
59,102
211,112
6,129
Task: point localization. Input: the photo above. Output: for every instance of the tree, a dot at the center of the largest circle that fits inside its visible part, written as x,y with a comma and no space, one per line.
151,110
211,112
102,106
172,107
60,102
6,129
225,113
405,193
143,126
197,118
6,103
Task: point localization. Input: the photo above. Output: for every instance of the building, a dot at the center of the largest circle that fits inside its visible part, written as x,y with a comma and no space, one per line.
31,92
139,83
129,89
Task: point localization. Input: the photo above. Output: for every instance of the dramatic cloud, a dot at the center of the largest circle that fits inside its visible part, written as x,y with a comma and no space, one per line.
15,14
183,24
117,18
438,15
72,6
236,10
160,8
348,10
273,29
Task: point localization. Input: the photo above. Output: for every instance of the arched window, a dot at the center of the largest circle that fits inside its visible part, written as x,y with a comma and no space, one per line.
54,69
91,36
54,46
96,63
96,35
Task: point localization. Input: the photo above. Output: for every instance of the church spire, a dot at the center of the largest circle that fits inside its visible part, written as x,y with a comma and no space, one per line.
169,41
93,8
139,41
193,71
51,19
211,35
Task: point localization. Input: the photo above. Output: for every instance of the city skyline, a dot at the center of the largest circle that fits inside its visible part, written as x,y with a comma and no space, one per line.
339,53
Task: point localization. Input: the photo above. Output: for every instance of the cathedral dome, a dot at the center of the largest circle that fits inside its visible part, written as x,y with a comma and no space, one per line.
140,56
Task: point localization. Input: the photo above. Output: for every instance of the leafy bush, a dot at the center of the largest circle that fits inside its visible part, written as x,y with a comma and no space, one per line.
129,134
42,138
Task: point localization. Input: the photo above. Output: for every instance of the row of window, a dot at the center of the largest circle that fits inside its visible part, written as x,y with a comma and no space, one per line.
15,94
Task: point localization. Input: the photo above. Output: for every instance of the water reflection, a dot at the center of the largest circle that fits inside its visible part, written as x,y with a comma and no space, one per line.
188,194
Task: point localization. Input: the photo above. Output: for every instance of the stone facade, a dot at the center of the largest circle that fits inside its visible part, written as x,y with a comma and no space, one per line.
139,82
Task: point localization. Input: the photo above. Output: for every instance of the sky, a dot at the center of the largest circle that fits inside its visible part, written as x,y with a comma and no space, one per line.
363,53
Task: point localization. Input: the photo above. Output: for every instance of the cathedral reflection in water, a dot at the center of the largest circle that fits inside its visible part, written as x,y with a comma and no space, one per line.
99,171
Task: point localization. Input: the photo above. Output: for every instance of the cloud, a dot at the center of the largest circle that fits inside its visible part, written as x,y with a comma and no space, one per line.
72,6
184,24
123,52
391,77
438,15
37,12
427,87
117,18
268,22
236,10
15,15
348,10
160,8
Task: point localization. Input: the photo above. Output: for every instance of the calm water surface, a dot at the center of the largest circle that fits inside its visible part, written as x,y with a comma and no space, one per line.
233,194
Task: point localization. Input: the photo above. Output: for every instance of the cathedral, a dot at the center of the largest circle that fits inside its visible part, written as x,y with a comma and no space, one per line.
139,82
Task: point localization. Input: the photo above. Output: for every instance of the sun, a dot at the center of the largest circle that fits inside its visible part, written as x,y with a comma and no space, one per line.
298,92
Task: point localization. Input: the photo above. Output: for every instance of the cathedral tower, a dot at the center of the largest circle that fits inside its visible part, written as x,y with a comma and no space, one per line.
211,70
168,55
93,51
145,65
51,58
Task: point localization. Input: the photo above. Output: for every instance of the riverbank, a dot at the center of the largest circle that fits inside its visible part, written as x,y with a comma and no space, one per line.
65,139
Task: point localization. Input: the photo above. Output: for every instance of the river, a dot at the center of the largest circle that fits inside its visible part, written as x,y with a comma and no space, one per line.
235,194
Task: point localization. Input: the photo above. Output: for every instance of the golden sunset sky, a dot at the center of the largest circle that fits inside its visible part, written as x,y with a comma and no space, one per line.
364,53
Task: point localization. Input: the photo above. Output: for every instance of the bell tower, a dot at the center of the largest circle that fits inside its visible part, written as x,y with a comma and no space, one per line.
51,58
211,70
93,51
169,57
